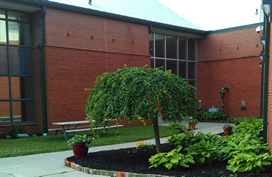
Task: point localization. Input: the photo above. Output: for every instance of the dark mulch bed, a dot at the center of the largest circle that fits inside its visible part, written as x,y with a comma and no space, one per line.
136,161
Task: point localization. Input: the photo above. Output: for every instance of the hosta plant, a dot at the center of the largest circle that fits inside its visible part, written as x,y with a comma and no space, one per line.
171,159
249,162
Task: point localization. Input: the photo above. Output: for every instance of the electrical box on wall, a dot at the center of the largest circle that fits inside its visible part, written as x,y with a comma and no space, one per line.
243,107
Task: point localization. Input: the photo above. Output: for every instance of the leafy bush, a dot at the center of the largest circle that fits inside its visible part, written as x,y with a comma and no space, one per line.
190,138
180,127
204,151
250,126
3,134
249,162
203,115
185,139
171,159
245,148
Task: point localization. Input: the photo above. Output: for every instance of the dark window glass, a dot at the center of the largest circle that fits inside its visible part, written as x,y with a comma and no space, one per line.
160,63
4,88
151,44
171,47
23,111
159,44
18,16
182,48
4,112
172,65
191,49
3,60
3,34
191,70
152,63
191,83
24,36
2,14
21,87
182,69
20,61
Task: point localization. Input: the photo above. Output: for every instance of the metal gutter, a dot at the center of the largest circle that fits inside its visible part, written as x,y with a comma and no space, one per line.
235,28
110,15
42,65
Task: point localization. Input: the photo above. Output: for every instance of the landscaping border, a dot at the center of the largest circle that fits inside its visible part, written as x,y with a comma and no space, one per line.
107,173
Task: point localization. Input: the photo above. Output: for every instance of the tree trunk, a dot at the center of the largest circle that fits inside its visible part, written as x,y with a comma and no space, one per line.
157,135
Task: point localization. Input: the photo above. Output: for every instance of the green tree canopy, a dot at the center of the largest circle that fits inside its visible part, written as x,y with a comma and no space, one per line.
140,93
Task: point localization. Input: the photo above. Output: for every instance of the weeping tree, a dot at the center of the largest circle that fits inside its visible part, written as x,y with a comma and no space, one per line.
140,94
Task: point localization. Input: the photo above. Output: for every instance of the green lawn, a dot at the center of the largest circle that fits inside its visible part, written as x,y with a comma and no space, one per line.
35,145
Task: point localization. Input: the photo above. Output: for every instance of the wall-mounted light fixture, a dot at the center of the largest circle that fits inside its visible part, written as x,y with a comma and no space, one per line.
261,64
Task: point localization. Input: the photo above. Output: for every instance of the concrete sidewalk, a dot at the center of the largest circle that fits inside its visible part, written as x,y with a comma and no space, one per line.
52,164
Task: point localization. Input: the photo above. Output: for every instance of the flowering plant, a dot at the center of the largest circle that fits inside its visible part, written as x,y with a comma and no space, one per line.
192,121
227,126
143,145
80,139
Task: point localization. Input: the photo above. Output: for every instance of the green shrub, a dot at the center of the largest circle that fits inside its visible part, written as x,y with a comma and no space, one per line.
190,138
13,132
180,127
245,149
204,151
203,115
3,134
245,162
171,159
250,126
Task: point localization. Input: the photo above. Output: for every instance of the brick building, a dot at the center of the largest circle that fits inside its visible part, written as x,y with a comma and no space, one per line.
52,50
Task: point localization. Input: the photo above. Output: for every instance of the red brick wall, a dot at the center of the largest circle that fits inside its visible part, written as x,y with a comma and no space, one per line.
78,49
269,109
230,59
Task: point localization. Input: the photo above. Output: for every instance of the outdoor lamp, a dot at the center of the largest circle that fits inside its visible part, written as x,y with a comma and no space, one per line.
266,7
261,64
263,40
262,55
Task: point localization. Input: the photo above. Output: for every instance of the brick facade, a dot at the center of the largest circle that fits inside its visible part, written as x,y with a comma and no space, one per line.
78,49
230,59
269,107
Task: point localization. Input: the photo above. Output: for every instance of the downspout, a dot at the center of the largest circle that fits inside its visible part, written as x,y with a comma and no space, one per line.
261,101
150,29
42,64
266,75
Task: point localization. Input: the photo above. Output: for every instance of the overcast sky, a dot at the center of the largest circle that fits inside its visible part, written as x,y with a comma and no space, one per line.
216,14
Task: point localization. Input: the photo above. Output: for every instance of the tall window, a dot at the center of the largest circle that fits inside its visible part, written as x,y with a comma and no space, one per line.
174,53
16,70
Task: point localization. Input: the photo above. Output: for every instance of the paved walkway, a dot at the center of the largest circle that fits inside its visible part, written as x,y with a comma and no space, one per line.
52,164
